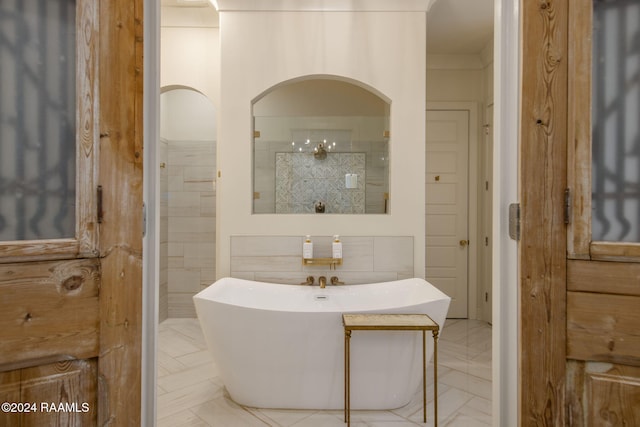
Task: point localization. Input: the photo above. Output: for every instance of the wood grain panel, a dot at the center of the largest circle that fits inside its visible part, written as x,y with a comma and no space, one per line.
9,392
615,251
606,277
121,159
615,397
37,250
575,393
603,327
543,177
57,394
613,393
87,134
579,127
48,310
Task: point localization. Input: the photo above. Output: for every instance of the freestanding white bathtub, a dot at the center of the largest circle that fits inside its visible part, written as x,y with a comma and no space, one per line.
282,346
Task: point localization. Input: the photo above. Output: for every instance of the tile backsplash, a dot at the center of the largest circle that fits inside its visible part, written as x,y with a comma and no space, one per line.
278,259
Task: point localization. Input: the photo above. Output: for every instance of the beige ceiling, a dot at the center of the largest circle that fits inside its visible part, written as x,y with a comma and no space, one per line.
459,26
453,26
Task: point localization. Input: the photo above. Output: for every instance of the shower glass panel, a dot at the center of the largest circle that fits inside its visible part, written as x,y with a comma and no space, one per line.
301,167
37,119
616,121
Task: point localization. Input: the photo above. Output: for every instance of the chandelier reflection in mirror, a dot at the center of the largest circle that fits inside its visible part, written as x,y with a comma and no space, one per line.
319,152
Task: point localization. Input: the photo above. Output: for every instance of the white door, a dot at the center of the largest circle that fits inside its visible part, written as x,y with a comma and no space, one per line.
447,182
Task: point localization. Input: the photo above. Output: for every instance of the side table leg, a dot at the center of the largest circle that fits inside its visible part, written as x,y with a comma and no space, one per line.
424,377
347,390
435,377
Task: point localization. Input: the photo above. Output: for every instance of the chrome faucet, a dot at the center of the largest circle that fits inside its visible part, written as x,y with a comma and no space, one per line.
322,281
310,280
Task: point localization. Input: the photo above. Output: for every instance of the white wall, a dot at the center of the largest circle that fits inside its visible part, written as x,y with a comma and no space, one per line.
189,50
459,78
262,49
186,115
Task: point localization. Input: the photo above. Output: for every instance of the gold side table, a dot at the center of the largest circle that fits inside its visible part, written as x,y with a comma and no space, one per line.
392,322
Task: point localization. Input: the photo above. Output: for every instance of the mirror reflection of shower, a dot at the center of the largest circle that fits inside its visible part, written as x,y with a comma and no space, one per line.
334,149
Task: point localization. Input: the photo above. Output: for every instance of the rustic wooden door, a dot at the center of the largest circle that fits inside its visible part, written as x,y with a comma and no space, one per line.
70,212
603,266
580,202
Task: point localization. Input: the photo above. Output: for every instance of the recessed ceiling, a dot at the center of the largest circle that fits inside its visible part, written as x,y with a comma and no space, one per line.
456,27
459,26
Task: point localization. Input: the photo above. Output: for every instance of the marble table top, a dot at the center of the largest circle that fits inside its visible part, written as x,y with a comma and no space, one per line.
387,321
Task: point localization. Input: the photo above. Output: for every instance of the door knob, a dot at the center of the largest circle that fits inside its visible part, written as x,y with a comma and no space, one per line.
464,243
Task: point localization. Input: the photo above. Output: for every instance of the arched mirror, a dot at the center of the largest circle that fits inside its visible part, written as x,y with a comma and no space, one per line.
321,146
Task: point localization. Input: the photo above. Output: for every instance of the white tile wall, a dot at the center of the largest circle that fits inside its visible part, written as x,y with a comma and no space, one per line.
278,259
190,213
163,297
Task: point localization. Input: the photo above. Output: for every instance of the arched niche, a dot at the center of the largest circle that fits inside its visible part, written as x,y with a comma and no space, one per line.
186,114
321,145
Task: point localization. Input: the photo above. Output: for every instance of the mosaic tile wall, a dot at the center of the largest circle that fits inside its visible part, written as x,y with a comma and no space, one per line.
302,181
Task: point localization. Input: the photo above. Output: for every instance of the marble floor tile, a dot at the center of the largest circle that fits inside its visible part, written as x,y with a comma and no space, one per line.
184,418
167,364
461,420
187,397
469,383
198,358
190,392
189,376
222,411
175,344
282,417
482,405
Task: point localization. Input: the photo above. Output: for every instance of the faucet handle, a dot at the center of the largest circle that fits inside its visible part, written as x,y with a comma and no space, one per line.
310,280
335,281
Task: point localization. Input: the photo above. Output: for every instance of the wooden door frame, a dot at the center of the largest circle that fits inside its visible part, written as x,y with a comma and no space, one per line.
121,168
543,180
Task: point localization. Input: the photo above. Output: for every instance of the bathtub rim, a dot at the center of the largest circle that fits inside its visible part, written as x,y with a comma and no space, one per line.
426,292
